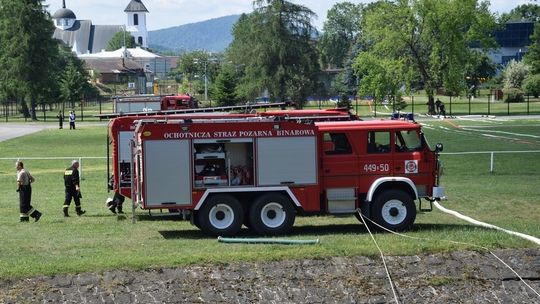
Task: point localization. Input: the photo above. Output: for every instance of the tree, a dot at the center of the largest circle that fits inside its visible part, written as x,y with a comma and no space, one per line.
381,77
274,46
427,40
71,85
223,90
121,39
532,85
27,51
340,30
532,57
74,82
192,69
478,70
514,74
530,12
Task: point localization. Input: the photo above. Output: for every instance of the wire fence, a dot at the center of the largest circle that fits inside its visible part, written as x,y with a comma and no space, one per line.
498,161
492,161
59,162
488,104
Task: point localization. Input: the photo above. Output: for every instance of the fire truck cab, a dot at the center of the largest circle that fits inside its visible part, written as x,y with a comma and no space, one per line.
262,172
174,102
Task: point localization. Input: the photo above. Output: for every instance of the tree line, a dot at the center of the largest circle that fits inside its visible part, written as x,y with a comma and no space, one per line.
35,69
383,49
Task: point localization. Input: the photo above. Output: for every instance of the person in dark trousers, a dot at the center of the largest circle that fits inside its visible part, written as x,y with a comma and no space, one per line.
72,120
442,110
60,117
115,204
72,189
24,187
438,103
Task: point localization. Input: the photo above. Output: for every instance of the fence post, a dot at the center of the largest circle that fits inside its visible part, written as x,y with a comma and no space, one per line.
470,96
489,104
450,106
528,102
412,101
81,168
492,162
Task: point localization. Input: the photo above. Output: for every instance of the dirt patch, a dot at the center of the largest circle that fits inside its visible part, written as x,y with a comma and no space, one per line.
457,277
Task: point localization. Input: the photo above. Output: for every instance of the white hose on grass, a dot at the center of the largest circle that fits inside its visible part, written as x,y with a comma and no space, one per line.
482,224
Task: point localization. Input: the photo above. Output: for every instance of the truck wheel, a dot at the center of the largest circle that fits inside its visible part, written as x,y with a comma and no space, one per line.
272,214
394,210
221,215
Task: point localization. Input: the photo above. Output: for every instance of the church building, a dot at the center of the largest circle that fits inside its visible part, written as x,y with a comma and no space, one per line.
86,38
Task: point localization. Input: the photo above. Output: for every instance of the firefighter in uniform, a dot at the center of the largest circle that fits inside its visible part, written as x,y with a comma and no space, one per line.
115,204
24,187
72,189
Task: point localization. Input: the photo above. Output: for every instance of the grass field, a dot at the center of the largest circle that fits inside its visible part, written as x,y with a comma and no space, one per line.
508,197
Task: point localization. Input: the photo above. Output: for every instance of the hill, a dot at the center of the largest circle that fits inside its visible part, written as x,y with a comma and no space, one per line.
212,35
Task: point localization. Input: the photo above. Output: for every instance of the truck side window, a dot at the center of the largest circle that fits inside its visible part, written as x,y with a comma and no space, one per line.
378,142
407,141
337,143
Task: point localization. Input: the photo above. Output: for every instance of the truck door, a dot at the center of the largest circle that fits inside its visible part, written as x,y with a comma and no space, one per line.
410,160
376,159
339,162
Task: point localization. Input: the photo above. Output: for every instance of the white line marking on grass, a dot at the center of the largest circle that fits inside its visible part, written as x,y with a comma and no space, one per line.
497,136
503,132
506,126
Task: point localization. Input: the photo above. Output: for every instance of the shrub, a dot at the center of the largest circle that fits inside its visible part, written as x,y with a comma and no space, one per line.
514,74
532,85
514,95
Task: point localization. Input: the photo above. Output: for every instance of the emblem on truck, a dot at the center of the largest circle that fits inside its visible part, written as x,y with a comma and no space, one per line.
411,166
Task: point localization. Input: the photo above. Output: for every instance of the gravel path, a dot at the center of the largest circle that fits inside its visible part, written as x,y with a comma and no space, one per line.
457,277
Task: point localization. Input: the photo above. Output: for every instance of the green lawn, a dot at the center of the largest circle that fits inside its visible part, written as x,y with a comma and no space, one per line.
508,197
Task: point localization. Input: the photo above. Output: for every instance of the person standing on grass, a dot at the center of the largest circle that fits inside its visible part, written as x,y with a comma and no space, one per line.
60,117
438,103
72,120
72,189
24,187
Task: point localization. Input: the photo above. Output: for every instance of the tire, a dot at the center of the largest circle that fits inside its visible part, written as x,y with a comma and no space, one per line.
221,215
272,214
394,210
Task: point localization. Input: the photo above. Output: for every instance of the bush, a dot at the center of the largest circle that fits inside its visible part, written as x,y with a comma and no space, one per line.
344,102
514,95
514,74
532,85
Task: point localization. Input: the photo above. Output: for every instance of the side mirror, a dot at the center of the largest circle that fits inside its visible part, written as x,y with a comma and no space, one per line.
438,147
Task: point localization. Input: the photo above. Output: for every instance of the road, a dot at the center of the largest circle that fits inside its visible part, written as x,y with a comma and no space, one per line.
14,130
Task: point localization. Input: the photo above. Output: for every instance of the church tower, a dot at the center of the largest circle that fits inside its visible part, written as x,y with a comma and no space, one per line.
136,25
64,18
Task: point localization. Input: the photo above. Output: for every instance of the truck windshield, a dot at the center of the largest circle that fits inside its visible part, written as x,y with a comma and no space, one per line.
408,141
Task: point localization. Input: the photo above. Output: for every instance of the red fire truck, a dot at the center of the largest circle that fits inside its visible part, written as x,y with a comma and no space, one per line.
121,130
149,103
262,172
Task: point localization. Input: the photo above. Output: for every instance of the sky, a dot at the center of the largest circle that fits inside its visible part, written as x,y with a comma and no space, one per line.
169,13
